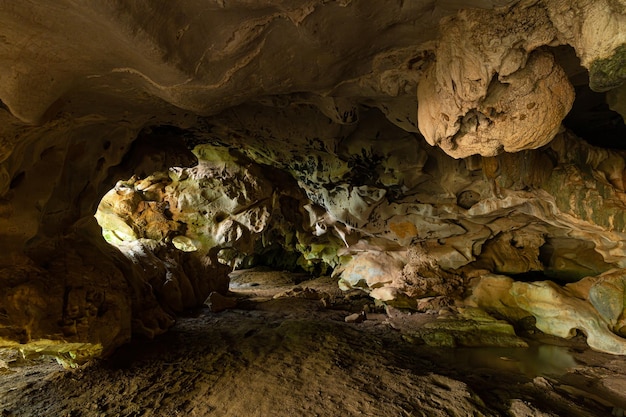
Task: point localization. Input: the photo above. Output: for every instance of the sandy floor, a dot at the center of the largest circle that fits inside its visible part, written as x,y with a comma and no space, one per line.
296,356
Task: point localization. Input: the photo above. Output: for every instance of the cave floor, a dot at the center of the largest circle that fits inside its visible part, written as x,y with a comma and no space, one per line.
294,355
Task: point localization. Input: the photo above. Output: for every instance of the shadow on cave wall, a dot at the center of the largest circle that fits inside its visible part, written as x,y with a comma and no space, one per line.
590,117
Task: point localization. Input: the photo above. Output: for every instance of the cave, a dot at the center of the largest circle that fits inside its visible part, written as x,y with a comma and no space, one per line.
313,208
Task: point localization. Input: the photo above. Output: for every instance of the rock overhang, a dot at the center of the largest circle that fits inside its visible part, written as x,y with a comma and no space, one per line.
328,93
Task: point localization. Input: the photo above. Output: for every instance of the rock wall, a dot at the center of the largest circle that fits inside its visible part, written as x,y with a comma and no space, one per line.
309,144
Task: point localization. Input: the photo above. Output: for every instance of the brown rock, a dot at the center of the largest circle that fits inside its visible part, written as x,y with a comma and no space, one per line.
218,302
488,92
356,317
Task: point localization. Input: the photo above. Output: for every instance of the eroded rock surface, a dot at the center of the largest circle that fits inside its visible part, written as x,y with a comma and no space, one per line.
490,89
307,153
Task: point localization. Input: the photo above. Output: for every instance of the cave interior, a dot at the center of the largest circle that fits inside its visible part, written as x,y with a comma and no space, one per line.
426,154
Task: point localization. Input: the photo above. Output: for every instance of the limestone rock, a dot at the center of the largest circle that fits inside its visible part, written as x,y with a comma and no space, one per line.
306,293
371,270
606,293
423,277
570,260
512,253
607,297
593,306
559,314
472,328
490,92
492,293
94,316
216,302
519,408
356,318
577,22
470,333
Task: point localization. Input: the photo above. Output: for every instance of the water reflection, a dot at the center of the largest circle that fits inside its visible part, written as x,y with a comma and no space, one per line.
536,360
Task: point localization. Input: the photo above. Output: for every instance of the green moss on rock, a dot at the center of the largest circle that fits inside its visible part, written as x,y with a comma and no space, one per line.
609,73
475,329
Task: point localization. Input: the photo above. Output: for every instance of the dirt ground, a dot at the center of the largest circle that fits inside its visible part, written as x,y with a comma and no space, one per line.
286,350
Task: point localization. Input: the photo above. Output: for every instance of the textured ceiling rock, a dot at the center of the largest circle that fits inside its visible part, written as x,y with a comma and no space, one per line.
304,119
488,91
513,112
204,57
596,30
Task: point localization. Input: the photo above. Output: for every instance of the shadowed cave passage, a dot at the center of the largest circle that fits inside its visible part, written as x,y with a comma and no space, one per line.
591,117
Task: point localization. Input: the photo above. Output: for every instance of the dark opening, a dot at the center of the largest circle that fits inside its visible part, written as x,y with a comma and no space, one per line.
590,118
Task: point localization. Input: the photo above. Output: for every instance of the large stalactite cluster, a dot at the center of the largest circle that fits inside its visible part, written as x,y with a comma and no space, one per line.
415,150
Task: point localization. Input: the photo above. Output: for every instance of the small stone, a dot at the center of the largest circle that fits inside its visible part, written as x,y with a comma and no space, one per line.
184,244
299,292
217,302
445,312
356,317
543,383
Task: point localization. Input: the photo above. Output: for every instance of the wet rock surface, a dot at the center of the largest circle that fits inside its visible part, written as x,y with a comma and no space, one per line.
290,356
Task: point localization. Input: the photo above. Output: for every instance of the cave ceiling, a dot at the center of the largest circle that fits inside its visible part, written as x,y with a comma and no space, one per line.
413,149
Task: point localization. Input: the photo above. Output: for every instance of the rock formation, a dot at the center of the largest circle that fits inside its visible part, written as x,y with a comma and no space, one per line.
415,150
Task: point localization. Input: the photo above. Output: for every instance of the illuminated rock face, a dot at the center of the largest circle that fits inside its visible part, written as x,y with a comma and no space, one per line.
490,89
411,148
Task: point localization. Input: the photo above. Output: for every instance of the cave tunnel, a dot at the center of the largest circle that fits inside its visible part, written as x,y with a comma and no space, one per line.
591,117
313,208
